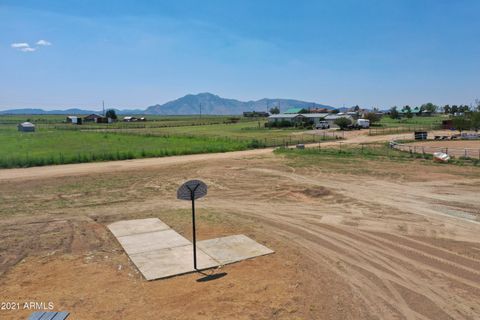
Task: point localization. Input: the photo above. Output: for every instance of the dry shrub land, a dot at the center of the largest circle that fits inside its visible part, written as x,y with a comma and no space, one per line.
369,237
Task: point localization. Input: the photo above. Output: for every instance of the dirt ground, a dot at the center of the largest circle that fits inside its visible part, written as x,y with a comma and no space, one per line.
455,148
354,239
451,144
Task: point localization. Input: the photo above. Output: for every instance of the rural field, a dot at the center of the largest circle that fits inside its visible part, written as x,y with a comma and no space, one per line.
56,142
251,160
358,233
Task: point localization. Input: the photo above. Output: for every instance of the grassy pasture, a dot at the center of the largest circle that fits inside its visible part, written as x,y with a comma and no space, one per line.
386,121
352,153
60,147
56,142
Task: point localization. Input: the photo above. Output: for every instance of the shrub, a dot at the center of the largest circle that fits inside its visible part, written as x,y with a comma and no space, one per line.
343,122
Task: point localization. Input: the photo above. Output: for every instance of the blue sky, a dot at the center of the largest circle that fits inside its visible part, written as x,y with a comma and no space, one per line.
133,54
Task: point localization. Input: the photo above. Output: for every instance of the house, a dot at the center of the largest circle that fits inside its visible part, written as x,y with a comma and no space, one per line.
292,118
95,118
26,127
318,110
315,117
354,114
418,111
252,114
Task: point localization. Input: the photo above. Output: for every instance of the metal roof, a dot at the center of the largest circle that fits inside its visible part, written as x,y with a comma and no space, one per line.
334,117
27,124
285,116
293,110
314,115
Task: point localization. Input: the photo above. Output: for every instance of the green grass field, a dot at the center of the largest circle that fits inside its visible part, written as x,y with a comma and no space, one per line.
386,121
55,142
346,154
61,147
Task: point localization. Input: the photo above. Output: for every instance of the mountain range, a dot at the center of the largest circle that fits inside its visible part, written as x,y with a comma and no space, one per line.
205,103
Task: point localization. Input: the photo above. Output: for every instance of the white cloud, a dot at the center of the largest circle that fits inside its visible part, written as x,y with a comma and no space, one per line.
28,49
25,47
43,43
20,45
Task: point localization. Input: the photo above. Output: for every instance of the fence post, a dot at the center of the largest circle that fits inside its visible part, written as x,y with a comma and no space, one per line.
465,151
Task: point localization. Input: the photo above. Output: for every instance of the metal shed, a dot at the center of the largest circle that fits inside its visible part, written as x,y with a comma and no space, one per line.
26,127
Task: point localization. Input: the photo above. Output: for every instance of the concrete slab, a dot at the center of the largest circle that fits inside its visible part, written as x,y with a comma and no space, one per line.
151,241
232,248
170,262
160,252
129,227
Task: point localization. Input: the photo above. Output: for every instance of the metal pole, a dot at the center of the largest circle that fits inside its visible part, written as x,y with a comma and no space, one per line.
194,233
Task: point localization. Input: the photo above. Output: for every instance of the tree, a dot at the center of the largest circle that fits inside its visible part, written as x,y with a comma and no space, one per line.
356,108
334,111
372,117
343,122
454,109
475,120
394,113
429,107
477,102
461,123
111,114
447,109
408,111
274,110
303,110
463,108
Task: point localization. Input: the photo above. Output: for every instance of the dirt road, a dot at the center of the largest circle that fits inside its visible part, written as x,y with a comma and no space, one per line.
352,137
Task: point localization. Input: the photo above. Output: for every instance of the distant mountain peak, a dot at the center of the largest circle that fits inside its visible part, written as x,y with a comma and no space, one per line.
209,103
204,102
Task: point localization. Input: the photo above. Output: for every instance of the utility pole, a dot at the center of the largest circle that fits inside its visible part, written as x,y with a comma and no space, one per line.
200,110
103,107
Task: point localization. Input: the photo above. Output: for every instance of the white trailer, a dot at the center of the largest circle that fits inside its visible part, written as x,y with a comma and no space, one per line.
363,123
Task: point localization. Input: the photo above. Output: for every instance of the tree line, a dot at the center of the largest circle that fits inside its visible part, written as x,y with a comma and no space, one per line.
430,108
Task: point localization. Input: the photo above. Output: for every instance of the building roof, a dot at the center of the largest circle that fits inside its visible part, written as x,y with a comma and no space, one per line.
314,115
27,124
293,110
93,116
335,116
285,116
